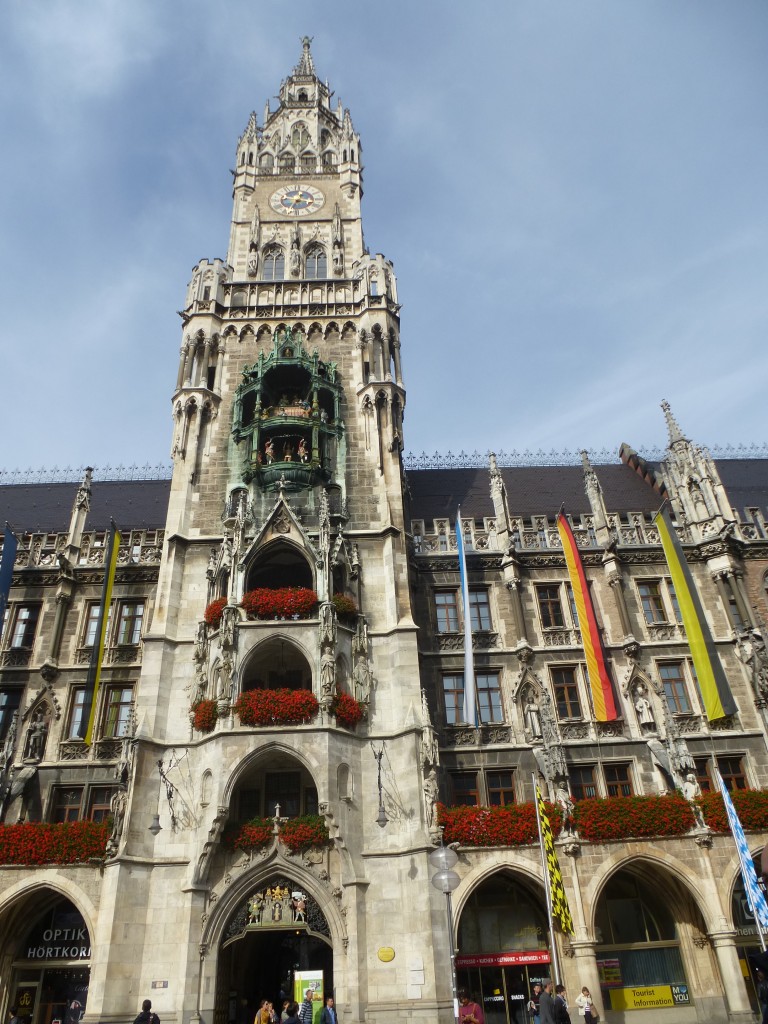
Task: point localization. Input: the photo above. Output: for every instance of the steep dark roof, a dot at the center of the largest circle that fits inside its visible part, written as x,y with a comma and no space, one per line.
531,490
47,508
746,481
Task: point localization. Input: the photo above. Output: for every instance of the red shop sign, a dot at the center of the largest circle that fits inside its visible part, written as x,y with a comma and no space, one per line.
536,956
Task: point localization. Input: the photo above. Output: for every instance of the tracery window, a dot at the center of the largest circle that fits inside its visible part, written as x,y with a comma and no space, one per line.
566,689
316,263
273,264
299,135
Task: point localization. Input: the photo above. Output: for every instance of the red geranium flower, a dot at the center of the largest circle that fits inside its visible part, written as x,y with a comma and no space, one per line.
214,612
279,603
276,707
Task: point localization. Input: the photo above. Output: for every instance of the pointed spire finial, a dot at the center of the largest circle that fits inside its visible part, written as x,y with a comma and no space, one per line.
673,428
306,65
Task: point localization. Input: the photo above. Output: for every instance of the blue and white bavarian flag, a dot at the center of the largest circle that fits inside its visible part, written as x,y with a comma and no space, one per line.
755,895
470,696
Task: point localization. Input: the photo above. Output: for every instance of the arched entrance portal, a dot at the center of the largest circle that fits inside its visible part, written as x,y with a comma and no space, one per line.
502,946
276,940
50,962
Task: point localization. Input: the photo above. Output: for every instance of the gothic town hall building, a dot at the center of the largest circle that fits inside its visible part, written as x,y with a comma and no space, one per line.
279,741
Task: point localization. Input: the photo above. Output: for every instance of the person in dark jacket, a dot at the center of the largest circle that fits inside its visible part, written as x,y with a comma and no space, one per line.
561,1007
146,1016
328,1014
547,1003
293,1014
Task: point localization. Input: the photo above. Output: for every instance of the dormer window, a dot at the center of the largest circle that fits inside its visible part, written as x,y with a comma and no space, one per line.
303,97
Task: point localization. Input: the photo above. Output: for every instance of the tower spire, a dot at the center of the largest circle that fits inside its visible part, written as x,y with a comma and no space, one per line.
306,65
673,428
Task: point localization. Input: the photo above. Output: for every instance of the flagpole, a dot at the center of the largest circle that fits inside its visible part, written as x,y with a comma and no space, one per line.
547,886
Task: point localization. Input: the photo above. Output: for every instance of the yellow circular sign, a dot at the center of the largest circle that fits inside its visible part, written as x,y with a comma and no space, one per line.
386,954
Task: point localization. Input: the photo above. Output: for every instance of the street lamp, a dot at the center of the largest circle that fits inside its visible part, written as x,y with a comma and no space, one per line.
444,859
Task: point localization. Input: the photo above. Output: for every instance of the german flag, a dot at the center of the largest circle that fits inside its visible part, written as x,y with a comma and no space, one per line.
600,682
97,653
560,909
713,685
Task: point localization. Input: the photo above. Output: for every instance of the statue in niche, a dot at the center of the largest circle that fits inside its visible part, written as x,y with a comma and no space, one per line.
269,452
327,623
36,734
643,708
303,452
226,669
532,716
294,259
327,674
117,806
253,261
361,677
692,791
563,798
430,797
751,650
338,258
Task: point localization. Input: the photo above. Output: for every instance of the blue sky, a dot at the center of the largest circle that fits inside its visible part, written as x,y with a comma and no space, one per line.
573,193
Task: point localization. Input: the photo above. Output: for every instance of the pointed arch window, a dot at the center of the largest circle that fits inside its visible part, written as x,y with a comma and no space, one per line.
273,264
316,263
299,135
308,161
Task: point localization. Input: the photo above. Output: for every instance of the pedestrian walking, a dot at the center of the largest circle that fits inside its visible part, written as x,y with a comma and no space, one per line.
561,1006
147,1016
533,1003
329,1015
587,1007
469,1012
547,1003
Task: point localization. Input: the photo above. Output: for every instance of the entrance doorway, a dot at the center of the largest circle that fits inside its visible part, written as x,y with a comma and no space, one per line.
277,931
503,992
261,965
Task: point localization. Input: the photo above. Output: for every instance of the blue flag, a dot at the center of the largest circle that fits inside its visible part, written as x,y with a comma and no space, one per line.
10,545
755,895
470,696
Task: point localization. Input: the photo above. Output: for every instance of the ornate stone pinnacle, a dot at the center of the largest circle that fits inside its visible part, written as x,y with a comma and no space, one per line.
673,428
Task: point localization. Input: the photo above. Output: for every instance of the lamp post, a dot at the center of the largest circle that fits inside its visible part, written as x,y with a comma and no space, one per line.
444,859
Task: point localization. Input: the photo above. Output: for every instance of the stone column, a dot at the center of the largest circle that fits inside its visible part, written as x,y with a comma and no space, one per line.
723,591
182,365
513,586
189,359
203,377
724,944
396,355
219,368
617,589
736,582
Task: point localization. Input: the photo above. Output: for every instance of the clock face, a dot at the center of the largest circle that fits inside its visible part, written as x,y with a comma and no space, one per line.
297,200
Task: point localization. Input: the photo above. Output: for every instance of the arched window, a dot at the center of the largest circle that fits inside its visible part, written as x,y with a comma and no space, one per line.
308,161
316,263
299,135
287,161
267,161
329,158
273,264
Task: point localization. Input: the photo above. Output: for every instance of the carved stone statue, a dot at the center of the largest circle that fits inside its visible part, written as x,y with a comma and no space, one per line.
327,623
532,716
117,806
692,791
643,707
752,651
361,677
430,797
327,674
36,735
563,798
225,677
253,262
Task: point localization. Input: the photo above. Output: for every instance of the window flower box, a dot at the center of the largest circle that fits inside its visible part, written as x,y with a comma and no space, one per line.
298,834
204,715
214,611
511,825
751,806
346,609
42,842
276,707
633,817
279,603
347,710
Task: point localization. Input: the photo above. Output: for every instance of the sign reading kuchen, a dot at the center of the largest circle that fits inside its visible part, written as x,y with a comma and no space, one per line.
511,959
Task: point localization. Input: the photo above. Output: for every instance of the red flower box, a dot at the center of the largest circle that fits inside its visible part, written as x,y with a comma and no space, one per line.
279,603
347,710
214,612
511,825
204,715
41,842
251,836
305,832
346,609
276,707
751,806
633,817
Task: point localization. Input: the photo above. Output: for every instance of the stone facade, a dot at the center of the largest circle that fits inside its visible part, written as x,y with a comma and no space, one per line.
288,473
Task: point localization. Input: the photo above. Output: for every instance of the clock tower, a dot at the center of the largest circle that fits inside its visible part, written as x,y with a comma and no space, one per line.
281,667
